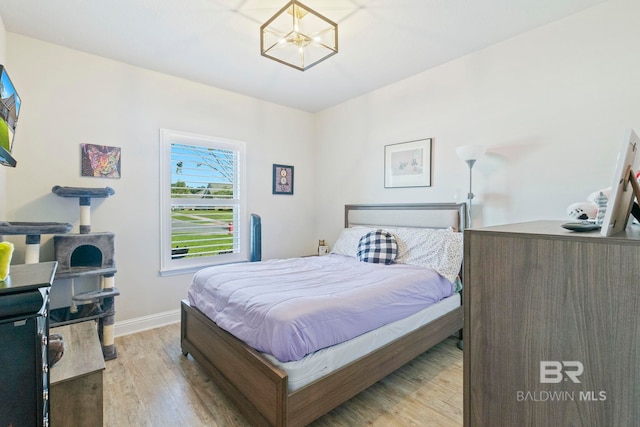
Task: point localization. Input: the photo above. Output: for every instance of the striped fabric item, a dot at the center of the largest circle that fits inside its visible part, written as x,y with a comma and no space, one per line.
378,247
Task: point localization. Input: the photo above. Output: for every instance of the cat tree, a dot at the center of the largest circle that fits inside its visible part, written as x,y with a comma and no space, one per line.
86,254
89,254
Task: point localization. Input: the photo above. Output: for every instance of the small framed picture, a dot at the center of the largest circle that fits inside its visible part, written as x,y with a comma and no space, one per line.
282,179
408,164
100,161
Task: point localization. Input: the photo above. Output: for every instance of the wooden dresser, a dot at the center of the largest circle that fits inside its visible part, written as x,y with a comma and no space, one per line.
552,327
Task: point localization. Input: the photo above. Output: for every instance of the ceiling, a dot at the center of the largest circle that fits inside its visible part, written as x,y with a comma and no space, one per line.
216,42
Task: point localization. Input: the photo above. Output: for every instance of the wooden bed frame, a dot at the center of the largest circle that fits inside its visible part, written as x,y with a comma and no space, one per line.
259,389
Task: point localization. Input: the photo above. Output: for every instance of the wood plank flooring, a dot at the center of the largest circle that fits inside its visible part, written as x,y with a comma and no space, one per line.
151,383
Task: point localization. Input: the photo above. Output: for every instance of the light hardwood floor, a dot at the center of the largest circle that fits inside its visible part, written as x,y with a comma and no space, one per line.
151,383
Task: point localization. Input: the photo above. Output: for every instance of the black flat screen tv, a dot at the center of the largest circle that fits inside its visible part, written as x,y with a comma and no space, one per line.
9,111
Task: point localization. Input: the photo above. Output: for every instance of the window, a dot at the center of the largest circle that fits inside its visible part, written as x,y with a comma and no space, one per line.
202,201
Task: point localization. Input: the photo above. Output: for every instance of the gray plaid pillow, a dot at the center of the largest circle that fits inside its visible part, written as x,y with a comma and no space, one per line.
378,247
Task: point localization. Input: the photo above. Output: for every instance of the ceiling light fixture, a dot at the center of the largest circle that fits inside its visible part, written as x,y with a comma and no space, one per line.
298,36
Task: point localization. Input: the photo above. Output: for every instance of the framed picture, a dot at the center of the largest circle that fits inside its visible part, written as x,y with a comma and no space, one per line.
282,179
100,161
408,164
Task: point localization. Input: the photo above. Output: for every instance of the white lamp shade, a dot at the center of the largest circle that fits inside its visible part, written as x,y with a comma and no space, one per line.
470,152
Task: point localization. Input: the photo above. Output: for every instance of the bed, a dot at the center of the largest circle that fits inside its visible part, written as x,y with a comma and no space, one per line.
266,390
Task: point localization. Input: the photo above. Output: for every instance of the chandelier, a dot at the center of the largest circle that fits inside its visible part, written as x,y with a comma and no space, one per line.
298,36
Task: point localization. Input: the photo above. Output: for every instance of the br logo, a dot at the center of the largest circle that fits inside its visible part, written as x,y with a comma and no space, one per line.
552,371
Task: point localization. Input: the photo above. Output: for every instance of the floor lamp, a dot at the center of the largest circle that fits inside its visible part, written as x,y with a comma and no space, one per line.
470,153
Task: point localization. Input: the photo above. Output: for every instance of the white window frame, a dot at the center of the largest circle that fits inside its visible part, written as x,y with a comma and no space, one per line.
168,265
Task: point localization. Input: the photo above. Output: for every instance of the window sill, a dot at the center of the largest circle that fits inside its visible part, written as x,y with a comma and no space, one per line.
192,269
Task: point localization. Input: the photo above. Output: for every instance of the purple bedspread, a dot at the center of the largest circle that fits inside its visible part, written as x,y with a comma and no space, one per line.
293,307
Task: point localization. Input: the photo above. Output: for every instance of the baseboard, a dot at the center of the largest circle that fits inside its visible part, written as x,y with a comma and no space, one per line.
144,323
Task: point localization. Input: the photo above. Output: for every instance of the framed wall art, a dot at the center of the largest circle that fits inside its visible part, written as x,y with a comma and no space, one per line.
282,179
100,161
408,164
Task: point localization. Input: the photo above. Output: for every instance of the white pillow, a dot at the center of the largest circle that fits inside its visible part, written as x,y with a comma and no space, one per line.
347,243
437,249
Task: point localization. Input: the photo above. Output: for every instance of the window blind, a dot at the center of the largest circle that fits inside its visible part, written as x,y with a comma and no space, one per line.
204,205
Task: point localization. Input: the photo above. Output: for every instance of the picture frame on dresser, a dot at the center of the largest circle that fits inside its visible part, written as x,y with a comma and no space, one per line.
625,188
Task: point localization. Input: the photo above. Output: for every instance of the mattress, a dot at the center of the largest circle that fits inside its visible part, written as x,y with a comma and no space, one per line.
316,365
294,307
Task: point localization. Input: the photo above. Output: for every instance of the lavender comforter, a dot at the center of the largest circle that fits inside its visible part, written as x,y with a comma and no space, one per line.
293,307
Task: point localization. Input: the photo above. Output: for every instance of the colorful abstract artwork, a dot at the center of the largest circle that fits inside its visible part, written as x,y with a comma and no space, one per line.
100,161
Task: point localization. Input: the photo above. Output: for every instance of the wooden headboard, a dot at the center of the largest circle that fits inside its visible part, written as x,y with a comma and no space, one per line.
424,215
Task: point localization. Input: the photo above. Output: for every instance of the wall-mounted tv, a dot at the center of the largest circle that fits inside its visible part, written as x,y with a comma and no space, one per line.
9,111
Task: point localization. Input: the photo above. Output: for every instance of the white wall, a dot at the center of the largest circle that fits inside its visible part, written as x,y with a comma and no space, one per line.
70,97
551,106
